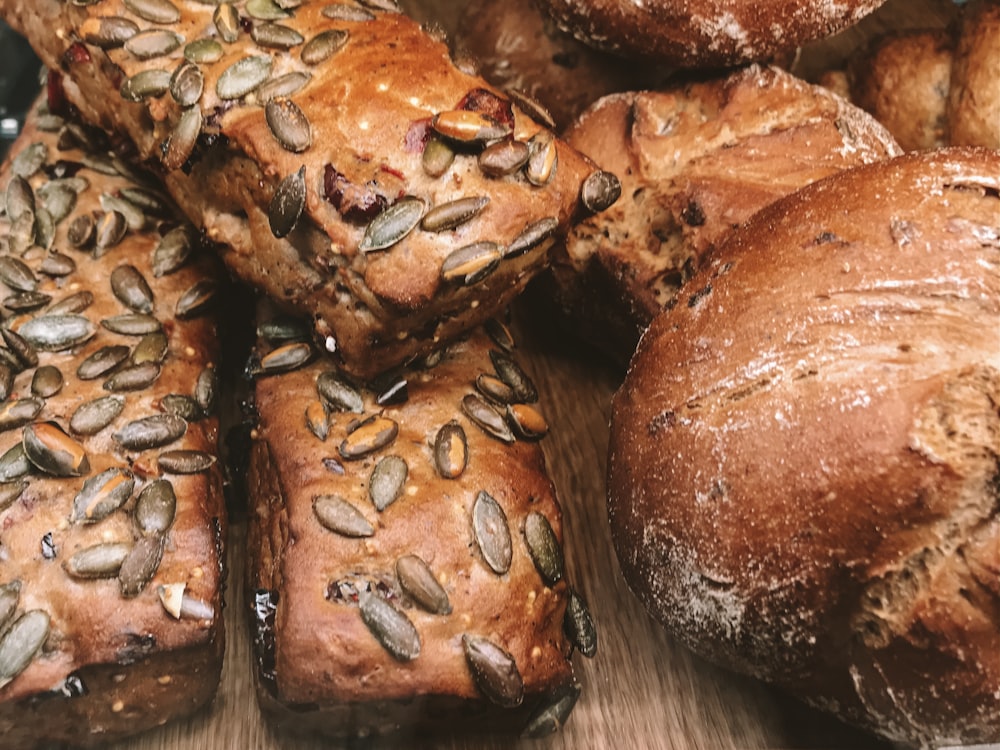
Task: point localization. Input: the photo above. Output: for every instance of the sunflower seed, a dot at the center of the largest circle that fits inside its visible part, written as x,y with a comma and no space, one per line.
453,214
437,157
154,11
93,416
371,435
206,388
552,715
345,12
53,451
132,324
511,373
102,361
532,236
341,517
151,432
14,463
29,159
418,581
133,378
466,126
385,485
451,450
16,274
22,349
288,124
600,191
283,85
153,43
527,421
46,381
187,84
74,303
59,201
393,224
102,495
338,395
203,51
140,565
197,299
503,158
543,159
98,561
486,418
145,84
58,265
492,533
131,288
544,548
287,204
81,231
179,145
494,671
323,45
472,263
9,493
21,642
26,301
155,508
318,420
276,36
185,461
110,229
20,198
151,348
57,332
10,594
107,32
390,627
243,76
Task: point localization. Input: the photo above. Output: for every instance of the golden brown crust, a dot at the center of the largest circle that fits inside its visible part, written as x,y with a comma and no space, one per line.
974,99
802,477
95,631
369,108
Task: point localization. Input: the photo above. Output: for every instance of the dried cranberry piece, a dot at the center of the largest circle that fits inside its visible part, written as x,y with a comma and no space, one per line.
55,93
358,203
76,53
417,136
487,103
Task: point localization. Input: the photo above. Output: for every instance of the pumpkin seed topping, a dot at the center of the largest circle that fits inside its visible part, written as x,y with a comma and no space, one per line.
492,533
418,581
341,517
494,671
385,486
390,627
53,451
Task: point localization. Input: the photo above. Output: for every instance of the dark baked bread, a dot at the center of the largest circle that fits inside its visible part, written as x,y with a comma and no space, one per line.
703,33
695,160
974,96
804,454
440,604
111,553
311,181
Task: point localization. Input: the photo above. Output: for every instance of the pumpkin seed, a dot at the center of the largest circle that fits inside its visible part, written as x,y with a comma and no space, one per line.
154,11
9,493
276,36
10,594
472,263
486,418
185,461
552,715
497,391
341,517
387,6
390,627
579,625
107,32
345,12
289,124
102,495
16,274
153,43
197,299
102,361
58,200
492,533
543,158
151,348
22,349
74,303
437,157
145,84
46,381
371,435
600,191
323,45
131,288
511,373
533,108
179,145
187,84
45,229
14,463
393,224
102,163
203,51
151,432
451,450
243,76
93,416
98,561
527,421
182,606
181,406
171,251
110,229
494,671
392,389
449,215
22,233
532,236
20,198
544,548
283,85
385,485
132,324
503,158
57,332
265,10
81,231
19,412
58,265
140,565
287,204
227,22
418,581
338,395
155,508
21,642
206,388
318,420
26,301
6,381
133,378
467,126
53,451
29,159
286,358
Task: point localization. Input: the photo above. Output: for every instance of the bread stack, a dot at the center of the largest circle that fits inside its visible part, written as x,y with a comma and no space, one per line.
794,281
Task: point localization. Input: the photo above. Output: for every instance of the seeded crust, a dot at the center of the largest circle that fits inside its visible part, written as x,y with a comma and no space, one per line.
110,666
695,161
369,106
804,453
703,33
319,668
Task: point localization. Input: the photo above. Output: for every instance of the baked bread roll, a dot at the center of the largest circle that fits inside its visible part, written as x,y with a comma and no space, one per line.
349,169
703,33
405,536
695,161
974,97
112,522
803,457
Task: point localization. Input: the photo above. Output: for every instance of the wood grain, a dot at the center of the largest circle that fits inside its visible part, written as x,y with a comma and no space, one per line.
643,690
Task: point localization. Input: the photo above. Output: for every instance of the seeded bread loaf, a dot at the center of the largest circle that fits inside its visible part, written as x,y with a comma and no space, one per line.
405,558
695,160
804,453
111,549
350,169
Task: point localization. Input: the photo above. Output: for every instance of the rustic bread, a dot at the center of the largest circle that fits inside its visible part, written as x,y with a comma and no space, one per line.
439,603
974,96
695,160
703,33
309,142
804,453
111,551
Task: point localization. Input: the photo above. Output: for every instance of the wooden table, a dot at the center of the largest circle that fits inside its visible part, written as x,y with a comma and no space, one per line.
643,690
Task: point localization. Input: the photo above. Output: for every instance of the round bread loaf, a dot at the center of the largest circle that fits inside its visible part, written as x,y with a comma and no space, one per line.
974,98
803,469
703,33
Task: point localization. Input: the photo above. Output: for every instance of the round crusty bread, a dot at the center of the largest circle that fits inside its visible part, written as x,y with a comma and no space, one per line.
703,33
974,98
804,454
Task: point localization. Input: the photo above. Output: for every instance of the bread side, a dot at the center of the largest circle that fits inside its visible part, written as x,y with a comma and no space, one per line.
802,478
111,576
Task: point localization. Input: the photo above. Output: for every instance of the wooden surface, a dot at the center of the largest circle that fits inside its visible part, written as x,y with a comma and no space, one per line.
642,690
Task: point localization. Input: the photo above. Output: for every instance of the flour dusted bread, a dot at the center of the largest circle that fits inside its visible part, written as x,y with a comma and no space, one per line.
348,168
112,524
405,558
803,464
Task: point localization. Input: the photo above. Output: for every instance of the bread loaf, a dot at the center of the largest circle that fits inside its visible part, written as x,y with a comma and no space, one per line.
695,160
804,453
112,524
405,557
326,146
